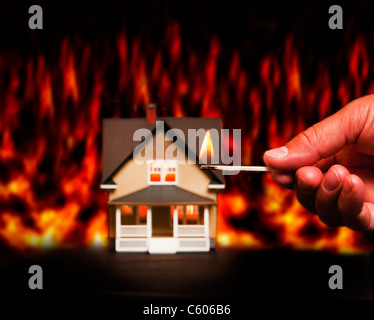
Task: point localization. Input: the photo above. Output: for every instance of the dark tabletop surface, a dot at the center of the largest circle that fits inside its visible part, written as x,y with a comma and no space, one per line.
221,274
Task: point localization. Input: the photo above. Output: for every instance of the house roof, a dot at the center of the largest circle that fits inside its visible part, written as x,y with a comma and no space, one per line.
158,195
118,144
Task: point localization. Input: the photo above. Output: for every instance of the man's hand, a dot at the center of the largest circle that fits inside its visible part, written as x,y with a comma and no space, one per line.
334,164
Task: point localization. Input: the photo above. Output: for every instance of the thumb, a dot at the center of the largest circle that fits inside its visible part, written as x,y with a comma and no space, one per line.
323,139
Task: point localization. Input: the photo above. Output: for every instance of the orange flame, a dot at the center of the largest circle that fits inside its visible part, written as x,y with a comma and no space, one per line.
206,150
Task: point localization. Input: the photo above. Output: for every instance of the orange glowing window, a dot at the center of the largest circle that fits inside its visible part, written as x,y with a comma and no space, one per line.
192,213
170,171
143,214
169,177
155,177
180,214
180,210
172,213
127,210
155,169
189,214
162,172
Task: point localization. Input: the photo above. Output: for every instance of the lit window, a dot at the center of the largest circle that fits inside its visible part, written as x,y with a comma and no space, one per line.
133,215
162,172
155,171
180,210
180,214
192,214
127,216
127,210
189,214
143,214
170,171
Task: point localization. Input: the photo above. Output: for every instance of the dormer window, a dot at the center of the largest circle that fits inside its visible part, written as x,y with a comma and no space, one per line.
162,172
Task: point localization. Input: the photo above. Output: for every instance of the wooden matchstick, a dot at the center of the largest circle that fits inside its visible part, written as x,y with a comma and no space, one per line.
238,168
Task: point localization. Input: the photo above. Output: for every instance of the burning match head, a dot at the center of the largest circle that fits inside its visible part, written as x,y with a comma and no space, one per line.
206,167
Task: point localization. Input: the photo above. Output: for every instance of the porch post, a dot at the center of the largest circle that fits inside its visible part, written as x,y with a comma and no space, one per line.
118,222
137,215
184,215
206,222
149,222
175,222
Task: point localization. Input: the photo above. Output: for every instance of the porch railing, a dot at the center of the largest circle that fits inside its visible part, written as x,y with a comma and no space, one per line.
133,231
191,231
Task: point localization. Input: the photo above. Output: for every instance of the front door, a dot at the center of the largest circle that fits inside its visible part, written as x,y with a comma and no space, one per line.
162,225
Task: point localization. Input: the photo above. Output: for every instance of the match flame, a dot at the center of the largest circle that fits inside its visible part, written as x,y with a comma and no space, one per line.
206,151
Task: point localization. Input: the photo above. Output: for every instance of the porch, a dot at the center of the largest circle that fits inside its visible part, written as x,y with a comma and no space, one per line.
162,229
162,219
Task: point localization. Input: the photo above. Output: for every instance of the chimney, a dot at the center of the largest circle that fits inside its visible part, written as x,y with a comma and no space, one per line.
151,113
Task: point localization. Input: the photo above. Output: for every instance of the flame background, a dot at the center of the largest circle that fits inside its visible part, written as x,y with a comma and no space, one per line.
271,69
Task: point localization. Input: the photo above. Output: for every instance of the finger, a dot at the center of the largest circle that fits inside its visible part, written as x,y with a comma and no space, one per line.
327,196
323,139
367,177
308,180
357,214
285,179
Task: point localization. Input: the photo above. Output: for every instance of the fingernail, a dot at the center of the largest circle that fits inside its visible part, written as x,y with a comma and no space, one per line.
304,186
278,152
347,187
332,180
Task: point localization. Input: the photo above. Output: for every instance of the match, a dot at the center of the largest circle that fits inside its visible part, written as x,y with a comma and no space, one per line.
238,168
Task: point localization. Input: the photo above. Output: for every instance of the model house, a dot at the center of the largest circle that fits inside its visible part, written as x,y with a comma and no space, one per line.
164,204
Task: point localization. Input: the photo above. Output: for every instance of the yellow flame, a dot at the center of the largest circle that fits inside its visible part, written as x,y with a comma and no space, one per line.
207,147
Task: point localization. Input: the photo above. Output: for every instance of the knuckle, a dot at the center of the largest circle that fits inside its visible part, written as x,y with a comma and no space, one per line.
310,139
311,136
